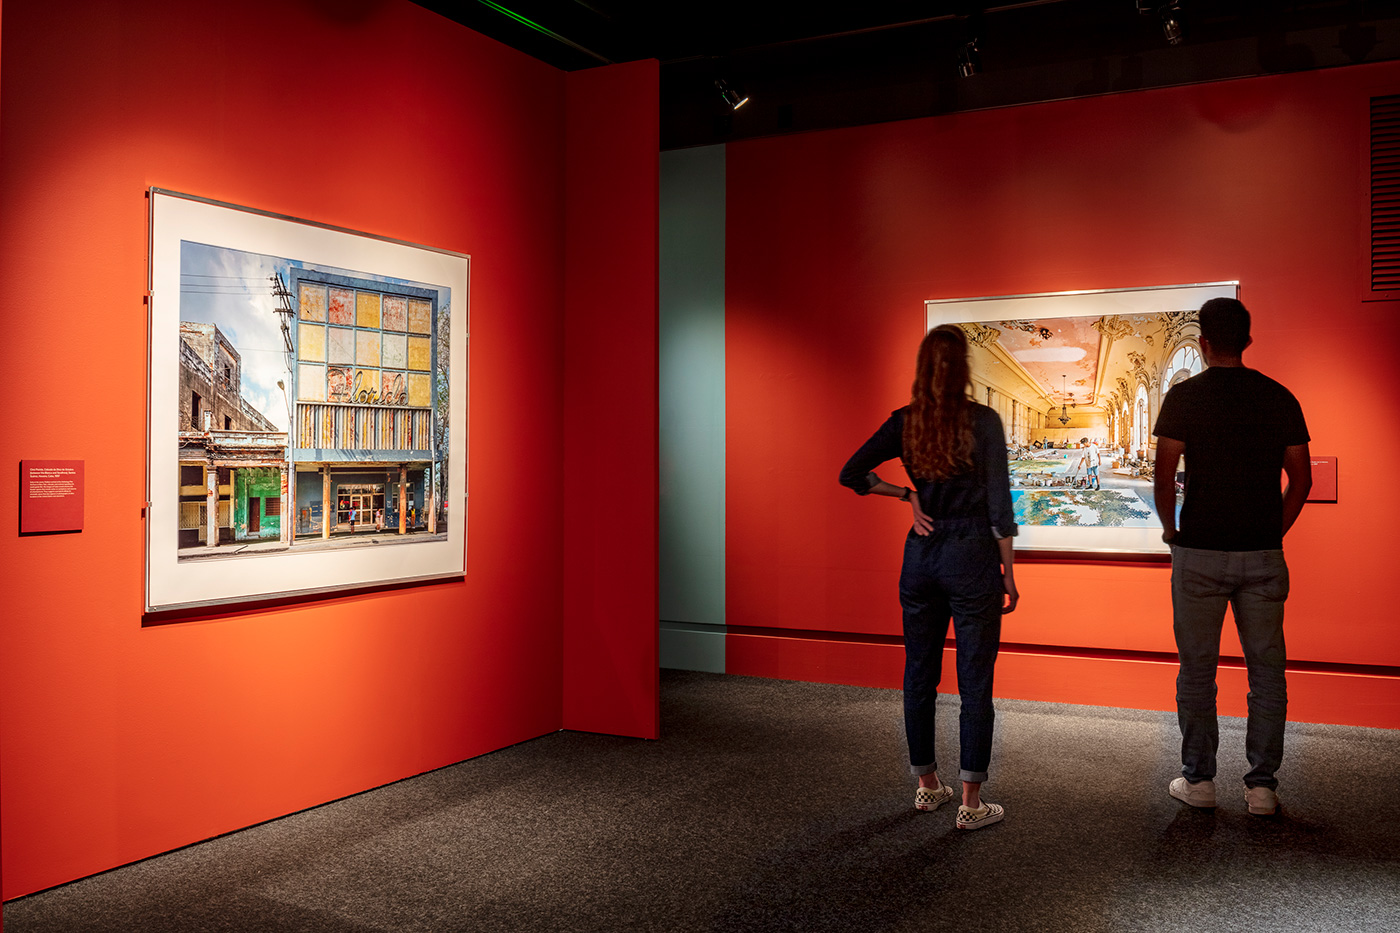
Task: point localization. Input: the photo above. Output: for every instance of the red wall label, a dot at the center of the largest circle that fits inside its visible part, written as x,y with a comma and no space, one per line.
50,496
1324,477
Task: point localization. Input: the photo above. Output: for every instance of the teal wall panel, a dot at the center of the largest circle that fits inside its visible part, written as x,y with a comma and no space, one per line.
692,401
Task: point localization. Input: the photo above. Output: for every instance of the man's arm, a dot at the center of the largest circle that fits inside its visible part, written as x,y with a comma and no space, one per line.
1169,451
1297,466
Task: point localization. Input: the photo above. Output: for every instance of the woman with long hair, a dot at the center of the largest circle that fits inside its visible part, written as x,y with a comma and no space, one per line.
957,559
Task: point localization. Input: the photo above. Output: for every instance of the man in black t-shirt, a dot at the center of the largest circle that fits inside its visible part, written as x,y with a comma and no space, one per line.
1237,429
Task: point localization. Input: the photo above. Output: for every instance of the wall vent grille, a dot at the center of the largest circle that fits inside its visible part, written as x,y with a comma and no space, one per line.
1385,193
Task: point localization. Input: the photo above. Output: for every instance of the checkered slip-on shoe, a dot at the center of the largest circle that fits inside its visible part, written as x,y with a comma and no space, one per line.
976,818
931,798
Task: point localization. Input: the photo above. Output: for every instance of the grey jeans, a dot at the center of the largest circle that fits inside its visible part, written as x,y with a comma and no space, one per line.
1254,584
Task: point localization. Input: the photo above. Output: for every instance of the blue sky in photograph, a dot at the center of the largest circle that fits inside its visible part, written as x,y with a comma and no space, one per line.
232,289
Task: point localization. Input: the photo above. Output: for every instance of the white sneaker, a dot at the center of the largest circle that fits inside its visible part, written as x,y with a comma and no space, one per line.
1262,801
931,798
1201,794
985,815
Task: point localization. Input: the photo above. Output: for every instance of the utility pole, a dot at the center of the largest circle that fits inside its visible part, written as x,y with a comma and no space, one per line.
285,314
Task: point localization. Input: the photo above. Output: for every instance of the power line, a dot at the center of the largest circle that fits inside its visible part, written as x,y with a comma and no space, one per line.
200,290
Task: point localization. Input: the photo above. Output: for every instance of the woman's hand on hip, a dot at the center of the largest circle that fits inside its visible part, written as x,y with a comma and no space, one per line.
923,525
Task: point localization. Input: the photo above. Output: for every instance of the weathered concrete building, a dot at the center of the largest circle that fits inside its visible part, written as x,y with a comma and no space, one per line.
233,460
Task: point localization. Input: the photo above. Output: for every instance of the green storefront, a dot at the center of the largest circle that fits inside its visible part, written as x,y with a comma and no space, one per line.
257,504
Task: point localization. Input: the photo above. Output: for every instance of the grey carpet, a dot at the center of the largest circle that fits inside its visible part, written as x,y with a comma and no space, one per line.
773,805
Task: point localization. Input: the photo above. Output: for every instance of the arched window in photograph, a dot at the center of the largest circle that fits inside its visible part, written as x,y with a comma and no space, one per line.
1141,429
1185,363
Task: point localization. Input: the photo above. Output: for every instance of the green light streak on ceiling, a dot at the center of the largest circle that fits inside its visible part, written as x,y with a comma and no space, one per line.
531,24
519,19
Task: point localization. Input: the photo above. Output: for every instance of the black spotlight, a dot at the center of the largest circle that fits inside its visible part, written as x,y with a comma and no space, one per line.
1170,15
1171,23
969,59
733,98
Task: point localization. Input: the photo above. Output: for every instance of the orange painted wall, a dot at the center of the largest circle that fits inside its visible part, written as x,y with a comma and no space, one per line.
835,239
120,741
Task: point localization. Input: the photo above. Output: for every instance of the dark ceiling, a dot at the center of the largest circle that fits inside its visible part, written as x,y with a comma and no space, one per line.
808,66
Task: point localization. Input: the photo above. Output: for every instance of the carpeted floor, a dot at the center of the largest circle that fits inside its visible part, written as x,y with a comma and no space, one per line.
772,805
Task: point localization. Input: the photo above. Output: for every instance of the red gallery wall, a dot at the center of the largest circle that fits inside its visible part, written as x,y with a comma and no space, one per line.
608,485
2,817
834,241
120,741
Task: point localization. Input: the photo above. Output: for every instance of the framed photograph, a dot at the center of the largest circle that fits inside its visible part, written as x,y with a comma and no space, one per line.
307,424
1078,379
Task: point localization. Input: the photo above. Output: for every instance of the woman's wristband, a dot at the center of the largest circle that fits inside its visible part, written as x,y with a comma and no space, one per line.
907,493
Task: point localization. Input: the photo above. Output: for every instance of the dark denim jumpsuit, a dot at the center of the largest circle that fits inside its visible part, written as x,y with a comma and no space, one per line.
953,573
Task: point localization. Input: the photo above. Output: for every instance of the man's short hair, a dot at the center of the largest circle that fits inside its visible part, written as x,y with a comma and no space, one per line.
1225,324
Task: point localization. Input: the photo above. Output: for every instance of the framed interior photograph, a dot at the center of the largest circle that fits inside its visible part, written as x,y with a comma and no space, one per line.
1078,379
307,423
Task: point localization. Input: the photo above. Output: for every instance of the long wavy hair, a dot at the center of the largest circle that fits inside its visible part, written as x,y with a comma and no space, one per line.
938,430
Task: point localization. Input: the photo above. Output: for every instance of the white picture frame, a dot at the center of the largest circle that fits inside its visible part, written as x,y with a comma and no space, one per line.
374,552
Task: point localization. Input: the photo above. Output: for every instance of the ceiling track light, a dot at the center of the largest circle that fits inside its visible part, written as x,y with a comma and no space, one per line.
735,99
969,59
1170,15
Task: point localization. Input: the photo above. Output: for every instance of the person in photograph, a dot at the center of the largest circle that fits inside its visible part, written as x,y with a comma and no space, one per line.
958,560
1091,460
1237,429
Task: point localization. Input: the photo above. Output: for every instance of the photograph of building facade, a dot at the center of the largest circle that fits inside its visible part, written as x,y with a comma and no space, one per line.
367,432
233,460
348,442
1077,393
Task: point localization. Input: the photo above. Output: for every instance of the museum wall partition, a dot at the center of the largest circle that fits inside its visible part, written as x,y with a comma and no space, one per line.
122,736
611,410
2,812
835,241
